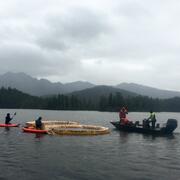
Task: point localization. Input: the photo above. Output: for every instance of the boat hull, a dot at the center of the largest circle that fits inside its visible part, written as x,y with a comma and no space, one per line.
139,129
32,130
9,125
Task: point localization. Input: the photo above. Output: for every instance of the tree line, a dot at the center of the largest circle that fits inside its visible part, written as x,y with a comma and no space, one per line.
12,98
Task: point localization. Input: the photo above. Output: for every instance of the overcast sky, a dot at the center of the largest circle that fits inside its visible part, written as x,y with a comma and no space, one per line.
100,41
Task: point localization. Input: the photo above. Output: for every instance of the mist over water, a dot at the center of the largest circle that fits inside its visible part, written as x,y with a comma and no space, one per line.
118,155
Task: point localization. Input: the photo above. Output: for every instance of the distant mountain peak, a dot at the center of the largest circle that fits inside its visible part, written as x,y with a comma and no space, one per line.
136,85
148,91
33,86
17,75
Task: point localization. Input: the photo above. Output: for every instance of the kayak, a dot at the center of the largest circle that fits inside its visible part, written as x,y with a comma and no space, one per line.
9,125
32,130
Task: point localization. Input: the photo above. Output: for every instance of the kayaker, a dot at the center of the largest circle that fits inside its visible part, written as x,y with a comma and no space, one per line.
152,119
38,123
8,118
122,116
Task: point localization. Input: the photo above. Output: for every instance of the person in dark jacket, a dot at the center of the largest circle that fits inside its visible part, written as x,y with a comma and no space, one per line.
38,123
8,118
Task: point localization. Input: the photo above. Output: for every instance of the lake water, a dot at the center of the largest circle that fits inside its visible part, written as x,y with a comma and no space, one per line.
118,155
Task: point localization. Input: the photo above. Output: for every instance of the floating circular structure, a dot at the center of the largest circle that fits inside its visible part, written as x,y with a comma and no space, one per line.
50,124
69,128
79,129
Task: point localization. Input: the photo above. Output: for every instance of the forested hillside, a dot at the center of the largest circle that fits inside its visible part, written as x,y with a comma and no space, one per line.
12,98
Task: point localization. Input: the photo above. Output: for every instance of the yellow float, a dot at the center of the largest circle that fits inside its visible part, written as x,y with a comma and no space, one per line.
70,128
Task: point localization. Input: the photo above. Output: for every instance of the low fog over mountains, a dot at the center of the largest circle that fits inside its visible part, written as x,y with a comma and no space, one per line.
33,86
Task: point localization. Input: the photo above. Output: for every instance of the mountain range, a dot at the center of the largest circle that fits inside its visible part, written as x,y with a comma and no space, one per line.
148,91
96,92
33,86
42,87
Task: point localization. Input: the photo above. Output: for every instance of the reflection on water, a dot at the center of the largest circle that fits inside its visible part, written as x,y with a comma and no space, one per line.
118,155
37,135
7,128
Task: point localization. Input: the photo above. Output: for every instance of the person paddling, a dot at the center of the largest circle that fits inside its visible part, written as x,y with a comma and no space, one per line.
38,123
8,118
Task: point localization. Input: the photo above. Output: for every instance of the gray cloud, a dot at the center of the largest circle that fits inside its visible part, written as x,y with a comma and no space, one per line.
104,42
69,30
32,60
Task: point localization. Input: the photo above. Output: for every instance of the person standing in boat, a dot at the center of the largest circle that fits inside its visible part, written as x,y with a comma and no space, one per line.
38,123
122,116
8,118
152,119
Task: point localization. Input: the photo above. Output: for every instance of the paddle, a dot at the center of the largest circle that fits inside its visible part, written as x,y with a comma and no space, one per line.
13,115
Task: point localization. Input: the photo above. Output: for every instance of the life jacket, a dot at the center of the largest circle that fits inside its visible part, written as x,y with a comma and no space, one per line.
122,113
153,116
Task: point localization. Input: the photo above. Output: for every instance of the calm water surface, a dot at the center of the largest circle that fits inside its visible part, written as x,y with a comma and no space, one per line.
114,156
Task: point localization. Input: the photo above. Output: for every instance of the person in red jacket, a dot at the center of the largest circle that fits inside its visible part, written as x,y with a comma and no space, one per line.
122,115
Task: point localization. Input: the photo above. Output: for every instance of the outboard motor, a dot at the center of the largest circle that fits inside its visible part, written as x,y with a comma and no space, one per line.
171,125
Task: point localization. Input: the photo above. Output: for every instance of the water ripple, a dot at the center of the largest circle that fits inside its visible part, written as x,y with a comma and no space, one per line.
115,156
